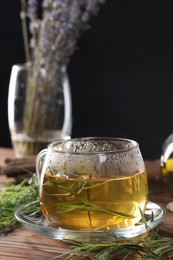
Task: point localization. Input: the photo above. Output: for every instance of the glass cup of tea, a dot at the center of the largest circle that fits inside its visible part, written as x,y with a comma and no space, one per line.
92,183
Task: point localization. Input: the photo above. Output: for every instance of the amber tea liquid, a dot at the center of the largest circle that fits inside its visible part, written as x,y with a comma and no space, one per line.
92,203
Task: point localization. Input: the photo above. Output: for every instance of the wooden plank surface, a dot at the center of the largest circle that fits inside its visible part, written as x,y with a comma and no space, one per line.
24,244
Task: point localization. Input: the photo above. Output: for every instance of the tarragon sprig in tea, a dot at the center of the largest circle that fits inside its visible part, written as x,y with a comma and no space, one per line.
79,203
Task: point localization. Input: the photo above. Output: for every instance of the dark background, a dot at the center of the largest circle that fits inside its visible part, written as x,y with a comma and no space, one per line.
121,76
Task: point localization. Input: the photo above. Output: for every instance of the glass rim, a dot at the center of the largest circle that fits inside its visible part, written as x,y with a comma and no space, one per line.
53,145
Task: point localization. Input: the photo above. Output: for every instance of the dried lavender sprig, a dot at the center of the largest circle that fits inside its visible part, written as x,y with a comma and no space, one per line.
24,29
60,27
54,39
34,25
32,9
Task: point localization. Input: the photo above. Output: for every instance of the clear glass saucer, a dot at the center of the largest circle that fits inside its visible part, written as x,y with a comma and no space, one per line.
32,218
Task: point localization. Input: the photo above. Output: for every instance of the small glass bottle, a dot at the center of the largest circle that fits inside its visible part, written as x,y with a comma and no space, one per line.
166,162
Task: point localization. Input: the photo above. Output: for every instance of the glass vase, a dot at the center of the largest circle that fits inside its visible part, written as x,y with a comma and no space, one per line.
39,108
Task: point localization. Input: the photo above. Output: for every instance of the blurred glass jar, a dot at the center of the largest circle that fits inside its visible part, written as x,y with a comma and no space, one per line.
39,108
166,162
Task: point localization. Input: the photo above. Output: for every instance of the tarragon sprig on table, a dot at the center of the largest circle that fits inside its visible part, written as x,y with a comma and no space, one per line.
149,247
13,197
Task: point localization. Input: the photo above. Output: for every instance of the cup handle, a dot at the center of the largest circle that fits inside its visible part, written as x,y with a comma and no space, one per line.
39,164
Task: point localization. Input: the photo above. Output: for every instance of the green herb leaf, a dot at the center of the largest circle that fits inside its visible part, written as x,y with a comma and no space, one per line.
85,205
149,247
12,198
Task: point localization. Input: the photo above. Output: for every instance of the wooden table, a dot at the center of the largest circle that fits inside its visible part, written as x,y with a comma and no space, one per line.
24,244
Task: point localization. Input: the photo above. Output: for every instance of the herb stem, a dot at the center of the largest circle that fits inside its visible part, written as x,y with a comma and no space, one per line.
88,199
24,29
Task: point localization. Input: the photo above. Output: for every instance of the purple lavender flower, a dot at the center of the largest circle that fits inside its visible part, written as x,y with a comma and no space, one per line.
55,34
55,30
32,9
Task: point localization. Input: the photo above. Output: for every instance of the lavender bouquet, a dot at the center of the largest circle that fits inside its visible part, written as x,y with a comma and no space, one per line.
55,27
